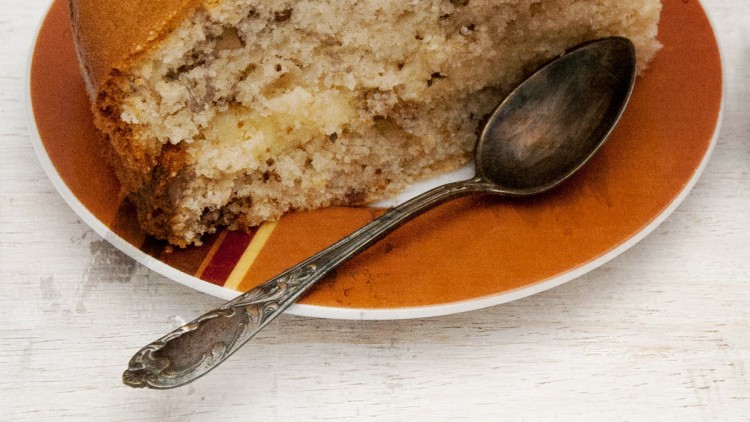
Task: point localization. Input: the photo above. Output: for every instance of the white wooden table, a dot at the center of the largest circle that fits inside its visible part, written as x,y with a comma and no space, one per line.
660,333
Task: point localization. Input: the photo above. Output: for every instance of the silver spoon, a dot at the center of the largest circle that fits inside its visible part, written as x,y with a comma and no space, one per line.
541,134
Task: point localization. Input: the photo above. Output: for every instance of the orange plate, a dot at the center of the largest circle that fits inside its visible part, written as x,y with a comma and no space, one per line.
464,255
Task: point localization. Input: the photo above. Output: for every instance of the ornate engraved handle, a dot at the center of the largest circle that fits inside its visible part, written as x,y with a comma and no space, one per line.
197,347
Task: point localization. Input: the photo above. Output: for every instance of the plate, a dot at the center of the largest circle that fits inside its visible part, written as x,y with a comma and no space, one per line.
468,254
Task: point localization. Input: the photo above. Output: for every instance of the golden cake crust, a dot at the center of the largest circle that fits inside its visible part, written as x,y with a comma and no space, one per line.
107,49
110,34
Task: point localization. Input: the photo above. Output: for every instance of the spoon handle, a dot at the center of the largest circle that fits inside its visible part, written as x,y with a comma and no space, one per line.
197,347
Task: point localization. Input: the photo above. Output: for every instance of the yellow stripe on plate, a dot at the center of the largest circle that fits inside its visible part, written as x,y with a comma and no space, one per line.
248,257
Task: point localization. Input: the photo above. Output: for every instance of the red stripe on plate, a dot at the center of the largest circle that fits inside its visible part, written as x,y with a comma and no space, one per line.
226,257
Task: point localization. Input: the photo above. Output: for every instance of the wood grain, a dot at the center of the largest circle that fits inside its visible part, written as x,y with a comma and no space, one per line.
660,333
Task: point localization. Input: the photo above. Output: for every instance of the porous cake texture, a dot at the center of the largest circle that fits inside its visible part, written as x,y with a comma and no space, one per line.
232,112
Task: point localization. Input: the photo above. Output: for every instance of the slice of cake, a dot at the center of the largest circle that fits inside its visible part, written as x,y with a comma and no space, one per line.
229,113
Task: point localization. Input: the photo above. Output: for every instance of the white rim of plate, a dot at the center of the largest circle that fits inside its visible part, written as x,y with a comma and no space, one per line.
363,313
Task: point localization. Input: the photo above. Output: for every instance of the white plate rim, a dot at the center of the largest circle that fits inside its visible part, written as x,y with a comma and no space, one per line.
318,311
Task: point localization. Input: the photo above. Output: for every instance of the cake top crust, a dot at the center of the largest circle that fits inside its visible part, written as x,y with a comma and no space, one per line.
110,34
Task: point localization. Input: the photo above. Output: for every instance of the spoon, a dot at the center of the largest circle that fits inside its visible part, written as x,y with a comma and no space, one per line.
540,134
